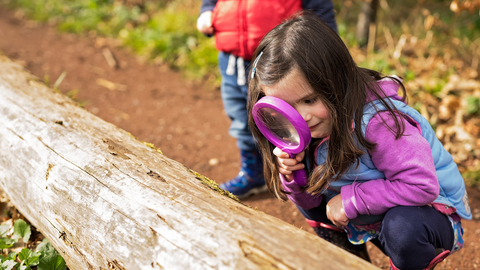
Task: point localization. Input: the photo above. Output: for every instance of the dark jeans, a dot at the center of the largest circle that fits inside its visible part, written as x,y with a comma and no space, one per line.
409,234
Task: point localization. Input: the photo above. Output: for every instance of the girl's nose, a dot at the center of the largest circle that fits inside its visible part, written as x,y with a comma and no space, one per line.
305,114
307,117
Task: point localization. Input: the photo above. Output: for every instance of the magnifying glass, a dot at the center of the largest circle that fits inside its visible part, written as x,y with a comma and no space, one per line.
284,127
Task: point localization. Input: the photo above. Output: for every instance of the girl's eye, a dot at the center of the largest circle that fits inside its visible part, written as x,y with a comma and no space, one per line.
310,100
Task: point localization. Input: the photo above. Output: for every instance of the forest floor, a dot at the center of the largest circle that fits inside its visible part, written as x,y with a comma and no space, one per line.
185,120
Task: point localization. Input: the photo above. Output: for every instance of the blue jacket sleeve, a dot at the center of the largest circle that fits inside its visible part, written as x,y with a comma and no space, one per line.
207,5
323,9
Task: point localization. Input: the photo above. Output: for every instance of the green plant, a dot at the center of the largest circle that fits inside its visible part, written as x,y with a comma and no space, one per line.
472,177
45,257
473,105
49,258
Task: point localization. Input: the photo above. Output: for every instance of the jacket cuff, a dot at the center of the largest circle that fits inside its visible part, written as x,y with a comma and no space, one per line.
299,197
291,186
348,201
206,8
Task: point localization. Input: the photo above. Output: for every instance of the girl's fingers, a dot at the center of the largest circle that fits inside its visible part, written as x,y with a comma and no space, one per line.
289,177
299,157
284,171
287,161
279,153
287,165
290,168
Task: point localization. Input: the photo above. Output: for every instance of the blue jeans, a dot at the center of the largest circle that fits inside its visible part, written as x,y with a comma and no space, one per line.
409,234
234,97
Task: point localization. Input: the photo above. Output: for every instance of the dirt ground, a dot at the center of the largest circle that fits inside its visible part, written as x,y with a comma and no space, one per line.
185,120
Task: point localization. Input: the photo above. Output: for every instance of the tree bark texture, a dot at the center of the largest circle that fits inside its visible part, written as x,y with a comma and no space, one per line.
106,200
366,17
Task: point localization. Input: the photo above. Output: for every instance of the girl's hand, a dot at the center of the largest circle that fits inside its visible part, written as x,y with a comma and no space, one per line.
287,165
336,213
204,23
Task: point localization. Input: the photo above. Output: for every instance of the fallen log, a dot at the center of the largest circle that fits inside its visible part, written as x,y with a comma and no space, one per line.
105,200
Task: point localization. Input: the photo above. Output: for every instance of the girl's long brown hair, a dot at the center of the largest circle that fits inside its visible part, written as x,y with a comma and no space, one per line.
305,43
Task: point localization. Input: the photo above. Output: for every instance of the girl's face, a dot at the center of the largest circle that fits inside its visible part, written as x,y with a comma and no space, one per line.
295,90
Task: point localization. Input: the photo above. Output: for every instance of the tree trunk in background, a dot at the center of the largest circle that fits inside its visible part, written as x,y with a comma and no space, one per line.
107,201
367,16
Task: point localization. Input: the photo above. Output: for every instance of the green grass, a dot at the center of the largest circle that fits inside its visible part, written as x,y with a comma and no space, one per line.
472,177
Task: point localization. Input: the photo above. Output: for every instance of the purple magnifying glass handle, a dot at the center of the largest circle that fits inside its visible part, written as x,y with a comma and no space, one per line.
284,127
300,177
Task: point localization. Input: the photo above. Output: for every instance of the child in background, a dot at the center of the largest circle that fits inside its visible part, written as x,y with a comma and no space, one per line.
238,26
377,172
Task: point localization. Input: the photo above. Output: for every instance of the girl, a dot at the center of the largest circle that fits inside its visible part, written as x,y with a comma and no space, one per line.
376,169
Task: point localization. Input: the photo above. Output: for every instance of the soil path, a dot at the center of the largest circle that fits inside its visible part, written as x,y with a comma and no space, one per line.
185,120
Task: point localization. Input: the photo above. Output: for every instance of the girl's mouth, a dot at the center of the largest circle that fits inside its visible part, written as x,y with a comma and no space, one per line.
313,127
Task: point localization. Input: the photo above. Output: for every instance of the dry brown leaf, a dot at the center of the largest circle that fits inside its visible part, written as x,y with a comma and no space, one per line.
441,131
461,155
428,99
472,126
428,23
458,83
448,107
463,136
448,146
469,73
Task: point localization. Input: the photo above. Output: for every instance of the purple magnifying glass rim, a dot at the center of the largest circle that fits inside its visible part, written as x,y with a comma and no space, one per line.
291,115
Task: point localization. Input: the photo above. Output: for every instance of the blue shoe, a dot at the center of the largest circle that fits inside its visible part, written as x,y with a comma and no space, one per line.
249,180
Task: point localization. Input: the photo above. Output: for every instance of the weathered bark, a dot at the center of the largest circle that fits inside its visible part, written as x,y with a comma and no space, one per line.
366,18
107,201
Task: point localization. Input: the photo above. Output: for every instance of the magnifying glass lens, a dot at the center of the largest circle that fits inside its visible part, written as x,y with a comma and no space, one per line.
279,126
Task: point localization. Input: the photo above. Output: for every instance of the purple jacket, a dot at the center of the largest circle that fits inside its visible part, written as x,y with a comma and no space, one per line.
407,164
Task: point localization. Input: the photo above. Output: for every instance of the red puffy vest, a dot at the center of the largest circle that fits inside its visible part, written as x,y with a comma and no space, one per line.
240,25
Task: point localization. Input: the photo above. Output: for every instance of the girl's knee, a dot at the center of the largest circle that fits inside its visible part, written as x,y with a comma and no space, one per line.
404,234
402,225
